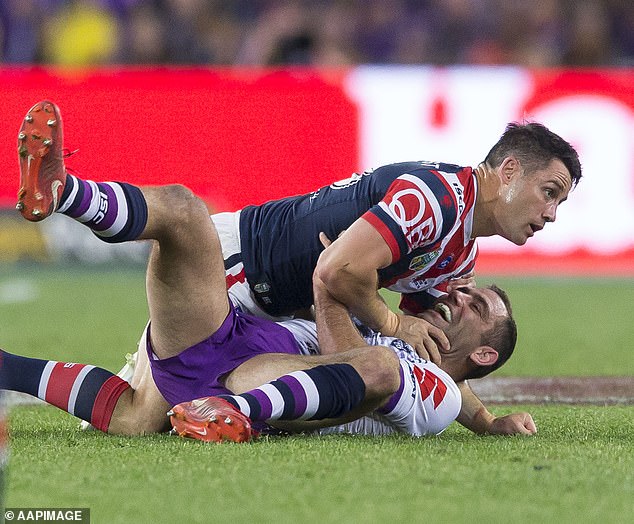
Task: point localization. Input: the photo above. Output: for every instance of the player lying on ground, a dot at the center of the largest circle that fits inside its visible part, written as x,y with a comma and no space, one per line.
276,246
198,345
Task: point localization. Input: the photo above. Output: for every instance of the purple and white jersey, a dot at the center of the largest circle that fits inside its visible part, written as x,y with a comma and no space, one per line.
426,403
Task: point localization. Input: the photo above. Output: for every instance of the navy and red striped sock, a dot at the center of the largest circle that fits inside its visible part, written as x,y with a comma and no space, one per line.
88,392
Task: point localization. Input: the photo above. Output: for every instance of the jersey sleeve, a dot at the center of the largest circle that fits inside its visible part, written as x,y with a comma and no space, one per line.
416,211
427,402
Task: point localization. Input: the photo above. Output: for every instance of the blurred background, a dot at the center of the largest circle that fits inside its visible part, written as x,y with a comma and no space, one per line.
539,33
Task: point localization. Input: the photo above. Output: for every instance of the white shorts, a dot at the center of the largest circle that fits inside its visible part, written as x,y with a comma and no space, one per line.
240,294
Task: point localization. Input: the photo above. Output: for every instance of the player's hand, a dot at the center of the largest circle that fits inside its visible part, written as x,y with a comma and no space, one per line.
513,424
467,280
325,241
427,339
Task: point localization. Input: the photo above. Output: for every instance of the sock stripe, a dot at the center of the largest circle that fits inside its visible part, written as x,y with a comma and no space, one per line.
60,383
288,395
76,387
106,401
311,392
71,189
254,405
74,206
275,398
242,404
119,213
88,391
138,213
46,375
114,211
296,391
108,206
263,399
89,204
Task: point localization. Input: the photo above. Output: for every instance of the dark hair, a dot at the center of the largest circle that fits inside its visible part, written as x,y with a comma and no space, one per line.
502,337
535,146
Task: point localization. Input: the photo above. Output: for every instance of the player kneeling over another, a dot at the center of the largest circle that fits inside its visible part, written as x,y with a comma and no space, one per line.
198,345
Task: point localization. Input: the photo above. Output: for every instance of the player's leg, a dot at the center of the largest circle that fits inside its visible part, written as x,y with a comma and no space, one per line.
144,410
332,390
185,280
88,392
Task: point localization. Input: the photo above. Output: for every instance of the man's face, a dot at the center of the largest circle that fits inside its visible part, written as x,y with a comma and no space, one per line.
465,315
530,200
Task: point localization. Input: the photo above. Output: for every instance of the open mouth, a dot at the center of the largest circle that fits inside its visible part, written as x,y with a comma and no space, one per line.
444,310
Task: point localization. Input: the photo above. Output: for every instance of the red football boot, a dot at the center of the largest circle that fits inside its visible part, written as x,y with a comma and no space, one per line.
42,171
210,419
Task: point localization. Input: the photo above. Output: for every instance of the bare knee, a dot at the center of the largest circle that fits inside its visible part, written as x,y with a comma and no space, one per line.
138,415
380,370
174,207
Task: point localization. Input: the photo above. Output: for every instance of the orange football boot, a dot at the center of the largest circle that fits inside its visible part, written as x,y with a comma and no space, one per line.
210,419
42,171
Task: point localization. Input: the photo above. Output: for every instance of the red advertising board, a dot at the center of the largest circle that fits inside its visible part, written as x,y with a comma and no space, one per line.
245,136
234,137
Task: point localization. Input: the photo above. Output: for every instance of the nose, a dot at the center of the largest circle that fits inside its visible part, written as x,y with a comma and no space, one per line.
458,296
550,215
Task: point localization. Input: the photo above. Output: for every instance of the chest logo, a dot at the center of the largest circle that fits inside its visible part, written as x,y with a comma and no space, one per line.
421,261
445,262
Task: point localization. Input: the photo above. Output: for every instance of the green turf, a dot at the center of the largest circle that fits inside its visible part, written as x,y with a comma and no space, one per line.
579,468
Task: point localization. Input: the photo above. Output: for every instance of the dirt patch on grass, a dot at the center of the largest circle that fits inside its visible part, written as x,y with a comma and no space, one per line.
560,390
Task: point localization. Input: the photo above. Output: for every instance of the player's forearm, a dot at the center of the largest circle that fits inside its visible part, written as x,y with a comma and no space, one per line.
473,414
335,330
357,289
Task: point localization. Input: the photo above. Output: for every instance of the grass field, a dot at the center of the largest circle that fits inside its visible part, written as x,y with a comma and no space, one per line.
579,468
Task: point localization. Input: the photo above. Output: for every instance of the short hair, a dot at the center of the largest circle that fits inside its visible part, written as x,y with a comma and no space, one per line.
502,337
535,146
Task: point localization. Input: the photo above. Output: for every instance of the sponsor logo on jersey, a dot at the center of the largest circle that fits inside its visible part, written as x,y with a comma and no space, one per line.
459,192
430,384
350,181
420,261
262,287
420,284
407,203
444,263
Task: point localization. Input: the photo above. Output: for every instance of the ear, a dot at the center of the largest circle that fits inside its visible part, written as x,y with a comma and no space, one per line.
508,168
484,356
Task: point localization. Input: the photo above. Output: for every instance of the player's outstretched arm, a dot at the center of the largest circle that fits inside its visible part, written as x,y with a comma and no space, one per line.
475,416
